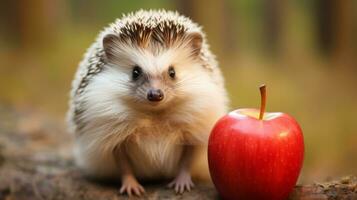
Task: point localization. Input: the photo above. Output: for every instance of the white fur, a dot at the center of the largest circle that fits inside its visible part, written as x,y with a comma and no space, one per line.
152,135
157,139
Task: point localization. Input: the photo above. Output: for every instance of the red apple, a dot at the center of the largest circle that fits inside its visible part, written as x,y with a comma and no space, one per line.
253,154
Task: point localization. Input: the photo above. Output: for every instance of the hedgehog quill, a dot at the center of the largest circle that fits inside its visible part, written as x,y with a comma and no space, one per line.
143,102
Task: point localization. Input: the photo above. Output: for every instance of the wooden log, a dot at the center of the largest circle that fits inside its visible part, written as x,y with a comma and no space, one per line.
36,163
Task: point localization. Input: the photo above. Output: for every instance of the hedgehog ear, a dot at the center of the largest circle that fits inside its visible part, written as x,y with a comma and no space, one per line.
110,41
195,40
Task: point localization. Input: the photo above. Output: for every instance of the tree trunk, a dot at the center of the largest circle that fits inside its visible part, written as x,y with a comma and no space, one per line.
214,16
335,30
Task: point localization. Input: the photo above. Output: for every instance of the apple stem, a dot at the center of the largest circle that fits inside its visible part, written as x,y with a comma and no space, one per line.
263,97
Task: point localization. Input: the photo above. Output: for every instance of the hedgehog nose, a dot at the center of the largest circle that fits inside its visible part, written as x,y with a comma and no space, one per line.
155,95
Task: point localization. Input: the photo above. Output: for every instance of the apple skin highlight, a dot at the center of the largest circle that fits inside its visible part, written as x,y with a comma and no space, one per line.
251,158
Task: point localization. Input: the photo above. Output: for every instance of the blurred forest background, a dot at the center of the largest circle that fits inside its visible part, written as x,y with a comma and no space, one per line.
305,51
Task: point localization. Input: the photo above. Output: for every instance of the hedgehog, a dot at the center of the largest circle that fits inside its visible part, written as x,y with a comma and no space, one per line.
143,101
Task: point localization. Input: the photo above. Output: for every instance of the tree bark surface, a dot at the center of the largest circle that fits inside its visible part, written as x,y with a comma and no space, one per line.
36,163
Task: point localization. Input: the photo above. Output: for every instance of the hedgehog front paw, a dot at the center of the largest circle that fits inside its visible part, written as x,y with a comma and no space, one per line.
131,186
182,182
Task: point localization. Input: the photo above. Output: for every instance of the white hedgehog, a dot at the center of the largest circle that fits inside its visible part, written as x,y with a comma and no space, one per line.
144,100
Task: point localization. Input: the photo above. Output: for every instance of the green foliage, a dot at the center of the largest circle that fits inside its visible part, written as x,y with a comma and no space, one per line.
318,90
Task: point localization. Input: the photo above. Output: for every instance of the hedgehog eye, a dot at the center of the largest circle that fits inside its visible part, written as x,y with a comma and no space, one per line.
172,72
137,71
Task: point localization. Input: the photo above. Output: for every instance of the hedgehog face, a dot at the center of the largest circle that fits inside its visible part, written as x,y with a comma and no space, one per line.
157,76
151,83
